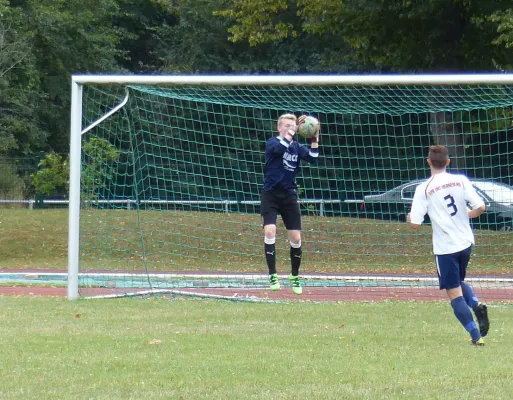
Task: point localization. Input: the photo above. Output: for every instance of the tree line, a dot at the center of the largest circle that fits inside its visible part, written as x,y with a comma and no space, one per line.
44,42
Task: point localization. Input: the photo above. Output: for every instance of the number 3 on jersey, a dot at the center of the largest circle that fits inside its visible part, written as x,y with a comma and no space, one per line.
451,204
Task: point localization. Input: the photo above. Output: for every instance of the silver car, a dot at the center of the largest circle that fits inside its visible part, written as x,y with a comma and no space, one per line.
396,203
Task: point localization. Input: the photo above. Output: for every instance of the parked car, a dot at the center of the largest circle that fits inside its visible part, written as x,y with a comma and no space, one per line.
395,204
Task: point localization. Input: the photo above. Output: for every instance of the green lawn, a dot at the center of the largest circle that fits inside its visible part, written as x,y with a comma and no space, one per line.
189,349
33,239
201,241
155,348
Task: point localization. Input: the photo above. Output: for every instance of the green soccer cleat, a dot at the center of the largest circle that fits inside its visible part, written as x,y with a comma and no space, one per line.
296,285
478,342
274,283
482,319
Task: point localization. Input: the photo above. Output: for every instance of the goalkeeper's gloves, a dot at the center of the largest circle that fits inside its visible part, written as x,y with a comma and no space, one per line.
300,120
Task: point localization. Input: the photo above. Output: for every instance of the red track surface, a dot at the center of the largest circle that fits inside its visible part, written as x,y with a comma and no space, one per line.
313,293
309,294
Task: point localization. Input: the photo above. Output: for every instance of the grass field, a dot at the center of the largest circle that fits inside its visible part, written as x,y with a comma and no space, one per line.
155,348
161,348
195,241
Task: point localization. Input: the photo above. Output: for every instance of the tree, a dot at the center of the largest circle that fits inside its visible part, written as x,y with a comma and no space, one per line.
142,20
13,45
504,22
391,36
198,42
386,35
56,39
70,36
98,170
52,176
18,122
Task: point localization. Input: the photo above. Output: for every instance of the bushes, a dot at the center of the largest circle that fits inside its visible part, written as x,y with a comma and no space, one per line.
53,176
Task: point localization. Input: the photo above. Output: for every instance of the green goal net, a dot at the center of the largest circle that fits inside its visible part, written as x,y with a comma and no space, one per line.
171,178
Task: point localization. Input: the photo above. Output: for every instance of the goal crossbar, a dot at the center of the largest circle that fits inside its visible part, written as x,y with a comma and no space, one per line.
304,80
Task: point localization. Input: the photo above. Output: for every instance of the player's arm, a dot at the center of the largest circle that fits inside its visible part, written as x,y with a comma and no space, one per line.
476,204
418,208
476,212
412,224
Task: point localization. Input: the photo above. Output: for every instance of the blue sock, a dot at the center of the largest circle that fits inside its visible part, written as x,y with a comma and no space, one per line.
464,315
469,295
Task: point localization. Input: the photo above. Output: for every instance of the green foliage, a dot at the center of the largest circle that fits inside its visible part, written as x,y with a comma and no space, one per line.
143,22
504,22
70,36
199,43
55,40
385,35
19,131
53,175
12,186
274,20
42,42
99,155
13,44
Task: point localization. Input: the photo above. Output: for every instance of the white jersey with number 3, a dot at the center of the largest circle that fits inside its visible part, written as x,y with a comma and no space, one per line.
444,197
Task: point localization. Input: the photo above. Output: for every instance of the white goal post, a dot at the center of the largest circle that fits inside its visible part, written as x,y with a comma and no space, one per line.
77,130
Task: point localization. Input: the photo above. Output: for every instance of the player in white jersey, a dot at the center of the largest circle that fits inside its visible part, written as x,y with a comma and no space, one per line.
446,198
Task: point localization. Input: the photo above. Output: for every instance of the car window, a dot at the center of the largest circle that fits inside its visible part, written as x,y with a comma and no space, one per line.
409,191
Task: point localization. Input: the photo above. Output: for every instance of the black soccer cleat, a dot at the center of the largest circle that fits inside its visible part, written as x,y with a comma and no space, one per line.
482,319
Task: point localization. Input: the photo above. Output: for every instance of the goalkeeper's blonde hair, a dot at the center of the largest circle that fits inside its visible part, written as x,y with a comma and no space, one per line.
286,116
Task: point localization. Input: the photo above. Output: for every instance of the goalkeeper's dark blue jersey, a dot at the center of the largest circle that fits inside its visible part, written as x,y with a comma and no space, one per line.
282,162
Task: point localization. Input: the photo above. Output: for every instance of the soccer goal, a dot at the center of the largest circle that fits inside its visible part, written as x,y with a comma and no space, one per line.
166,173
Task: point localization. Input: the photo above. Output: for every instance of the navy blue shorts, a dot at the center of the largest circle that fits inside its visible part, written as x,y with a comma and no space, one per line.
452,268
280,202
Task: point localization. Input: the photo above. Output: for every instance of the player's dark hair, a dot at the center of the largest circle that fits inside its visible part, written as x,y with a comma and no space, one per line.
438,155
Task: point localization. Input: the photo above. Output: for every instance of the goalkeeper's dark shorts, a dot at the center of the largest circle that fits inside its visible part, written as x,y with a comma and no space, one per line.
280,202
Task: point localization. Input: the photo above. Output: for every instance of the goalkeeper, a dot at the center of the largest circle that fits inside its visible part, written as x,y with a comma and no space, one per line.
283,156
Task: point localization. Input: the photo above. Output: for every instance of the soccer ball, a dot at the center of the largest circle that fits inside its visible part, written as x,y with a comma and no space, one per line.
308,128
